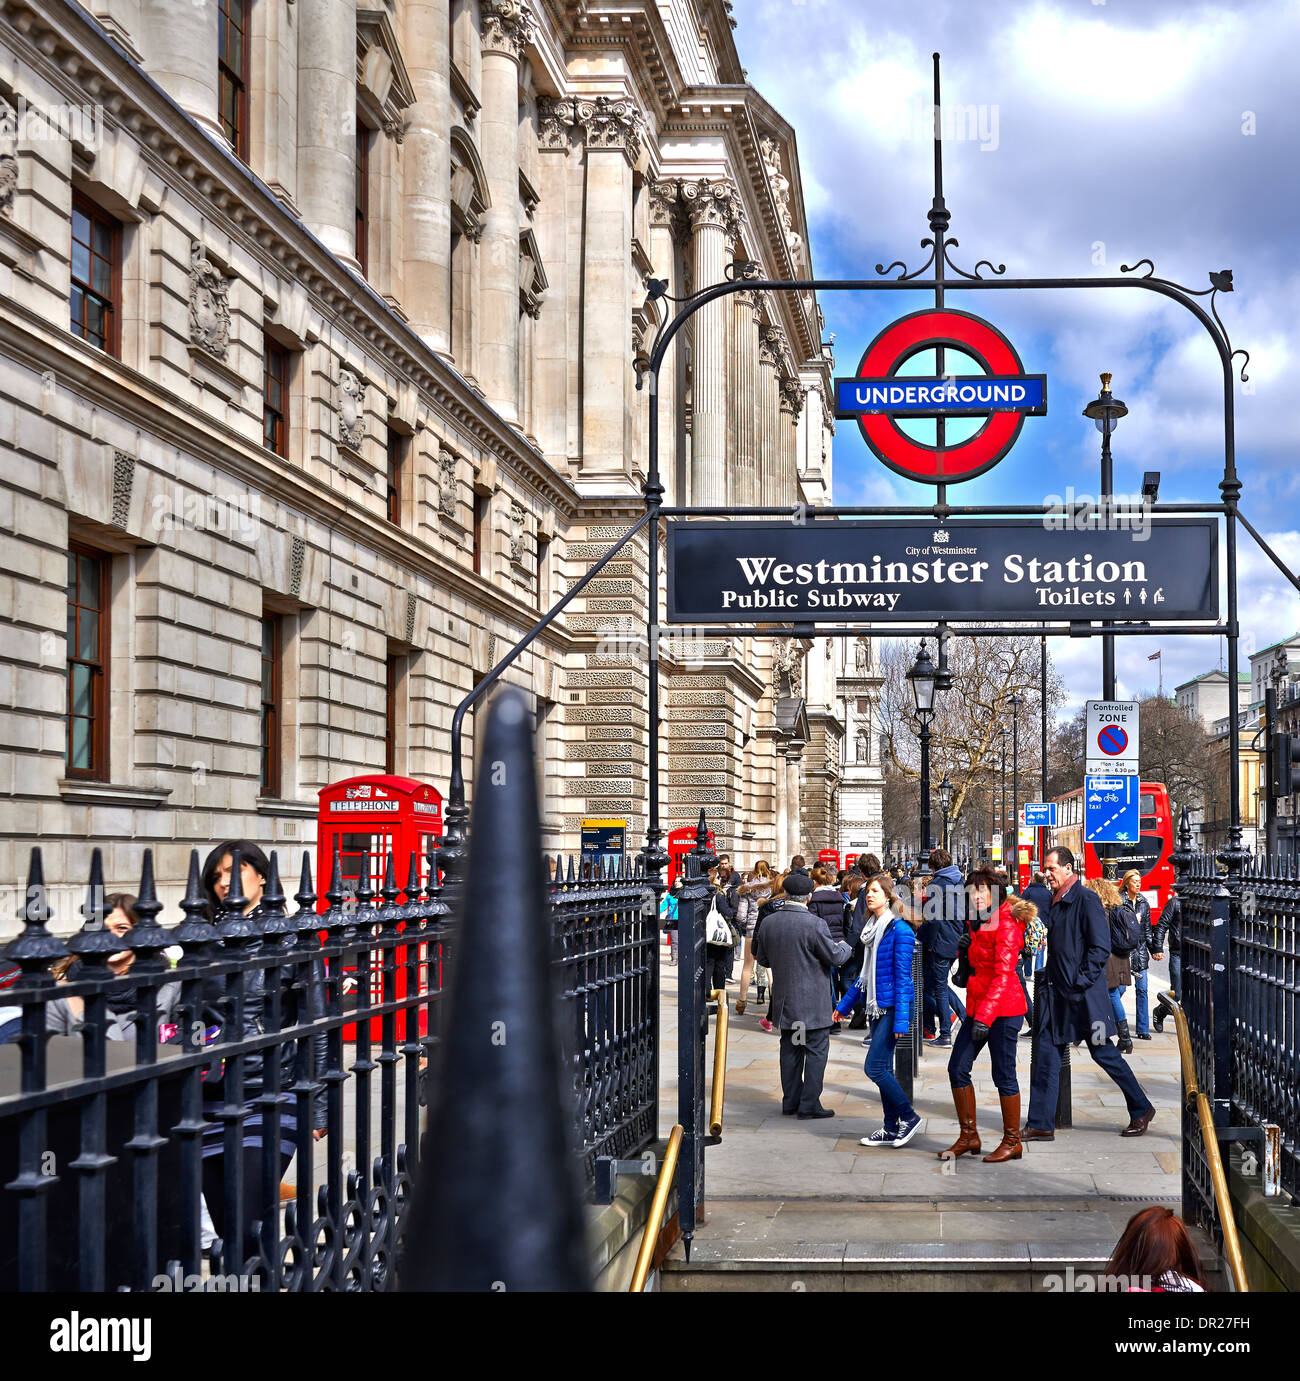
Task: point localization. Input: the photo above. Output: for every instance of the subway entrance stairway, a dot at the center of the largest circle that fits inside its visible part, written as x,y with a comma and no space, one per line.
800,1205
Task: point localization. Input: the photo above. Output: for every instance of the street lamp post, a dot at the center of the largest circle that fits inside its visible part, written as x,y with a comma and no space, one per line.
1002,809
945,800
1106,410
1015,702
923,677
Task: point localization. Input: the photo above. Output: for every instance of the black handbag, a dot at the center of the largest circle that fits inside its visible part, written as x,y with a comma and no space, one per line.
962,976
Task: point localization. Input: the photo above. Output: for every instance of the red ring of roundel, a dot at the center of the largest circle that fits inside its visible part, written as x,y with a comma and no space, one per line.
970,457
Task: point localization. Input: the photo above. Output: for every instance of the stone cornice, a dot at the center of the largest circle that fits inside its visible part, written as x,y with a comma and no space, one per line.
507,26
79,57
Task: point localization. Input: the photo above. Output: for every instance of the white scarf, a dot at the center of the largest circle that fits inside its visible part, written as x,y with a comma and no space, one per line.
874,928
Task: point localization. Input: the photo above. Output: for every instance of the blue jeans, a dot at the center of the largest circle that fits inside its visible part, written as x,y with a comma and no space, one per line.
938,995
1176,973
879,1069
1117,1003
1044,1089
1140,993
1003,1035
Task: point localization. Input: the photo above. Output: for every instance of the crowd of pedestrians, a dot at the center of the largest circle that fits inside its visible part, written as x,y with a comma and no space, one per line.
834,950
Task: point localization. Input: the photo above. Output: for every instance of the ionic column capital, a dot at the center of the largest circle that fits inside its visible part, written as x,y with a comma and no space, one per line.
507,27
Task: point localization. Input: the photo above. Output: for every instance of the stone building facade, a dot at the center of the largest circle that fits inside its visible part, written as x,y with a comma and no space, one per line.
858,684
317,331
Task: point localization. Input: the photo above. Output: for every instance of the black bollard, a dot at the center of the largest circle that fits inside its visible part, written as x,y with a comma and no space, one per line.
496,1204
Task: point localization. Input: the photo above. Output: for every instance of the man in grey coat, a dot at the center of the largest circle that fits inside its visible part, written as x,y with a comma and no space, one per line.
796,946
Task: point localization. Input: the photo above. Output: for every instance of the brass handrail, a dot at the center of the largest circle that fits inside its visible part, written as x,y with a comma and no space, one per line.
719,995
1219,1180
650,1234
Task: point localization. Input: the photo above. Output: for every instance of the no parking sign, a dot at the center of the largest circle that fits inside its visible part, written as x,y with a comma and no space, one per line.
1111,738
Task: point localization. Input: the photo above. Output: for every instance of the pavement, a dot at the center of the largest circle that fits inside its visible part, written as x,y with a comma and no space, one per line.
776,1179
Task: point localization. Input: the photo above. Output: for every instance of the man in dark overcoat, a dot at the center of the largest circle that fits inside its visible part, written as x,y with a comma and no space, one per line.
794,943
1076,1006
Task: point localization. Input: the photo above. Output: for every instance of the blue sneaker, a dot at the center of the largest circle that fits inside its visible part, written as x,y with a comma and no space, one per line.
907,1129
886,1136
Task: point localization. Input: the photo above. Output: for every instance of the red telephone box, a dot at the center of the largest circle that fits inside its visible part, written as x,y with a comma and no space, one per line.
850,860
680,843
366,819
830,857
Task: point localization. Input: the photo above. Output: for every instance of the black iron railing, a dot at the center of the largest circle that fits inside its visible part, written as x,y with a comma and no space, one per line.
1240,951
299,1046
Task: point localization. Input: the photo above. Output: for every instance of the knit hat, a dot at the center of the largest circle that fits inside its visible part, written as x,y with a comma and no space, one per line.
798,885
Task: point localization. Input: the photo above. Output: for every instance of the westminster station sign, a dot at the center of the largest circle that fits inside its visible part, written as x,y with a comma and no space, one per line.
992,569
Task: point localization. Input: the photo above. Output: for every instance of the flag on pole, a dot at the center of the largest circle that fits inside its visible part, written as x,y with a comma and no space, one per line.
1155,657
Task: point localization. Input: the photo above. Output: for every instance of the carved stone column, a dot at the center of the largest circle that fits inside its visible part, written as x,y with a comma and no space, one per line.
745,383
426,169
327,121
771,348
612,130
179,46
715,217
793,821
665,255
791,406
507,28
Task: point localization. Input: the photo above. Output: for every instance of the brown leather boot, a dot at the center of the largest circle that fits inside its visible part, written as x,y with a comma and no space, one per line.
969,1139
1010,1148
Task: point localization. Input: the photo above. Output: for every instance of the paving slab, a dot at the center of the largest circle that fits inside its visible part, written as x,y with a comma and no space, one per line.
775,1183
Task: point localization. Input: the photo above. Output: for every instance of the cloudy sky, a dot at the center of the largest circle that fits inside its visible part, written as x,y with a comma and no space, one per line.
1082,135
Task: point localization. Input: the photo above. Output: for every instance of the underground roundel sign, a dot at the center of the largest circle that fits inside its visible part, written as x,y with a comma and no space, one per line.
878,396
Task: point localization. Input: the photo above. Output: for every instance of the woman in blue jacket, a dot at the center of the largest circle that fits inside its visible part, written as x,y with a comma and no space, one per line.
885,986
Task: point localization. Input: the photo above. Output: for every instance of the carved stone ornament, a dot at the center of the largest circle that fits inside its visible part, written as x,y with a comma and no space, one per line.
517,516
8,155
861,654
209,304
714,201
791,396
507,26
771,151
665,200
554,121
352,420
771,343
786,663
447,484
612,122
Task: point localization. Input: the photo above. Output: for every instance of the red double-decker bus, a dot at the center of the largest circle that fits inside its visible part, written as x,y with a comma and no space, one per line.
1149,854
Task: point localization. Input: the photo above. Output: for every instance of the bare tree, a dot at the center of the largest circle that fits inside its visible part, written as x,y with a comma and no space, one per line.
965,738
1176,749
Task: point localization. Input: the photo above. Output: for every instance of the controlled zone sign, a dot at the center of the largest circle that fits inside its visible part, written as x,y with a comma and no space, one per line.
1110,810
994,568
1111,737
1040,815
1004,395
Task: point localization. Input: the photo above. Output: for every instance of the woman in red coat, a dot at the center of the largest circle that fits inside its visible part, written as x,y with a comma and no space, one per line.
995,1009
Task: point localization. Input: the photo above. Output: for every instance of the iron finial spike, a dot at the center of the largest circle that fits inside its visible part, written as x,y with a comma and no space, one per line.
570,876
147,938
498,1144
413,880
305,896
